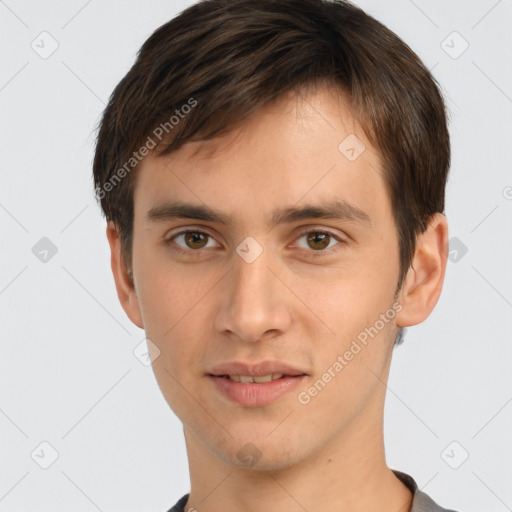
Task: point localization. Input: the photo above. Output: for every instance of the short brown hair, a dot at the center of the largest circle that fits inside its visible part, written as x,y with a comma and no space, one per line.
228,58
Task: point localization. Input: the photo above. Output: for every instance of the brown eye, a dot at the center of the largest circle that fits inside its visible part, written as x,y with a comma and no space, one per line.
318,241
191,241
196,239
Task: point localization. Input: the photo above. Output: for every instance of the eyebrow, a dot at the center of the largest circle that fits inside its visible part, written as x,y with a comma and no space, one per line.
339,210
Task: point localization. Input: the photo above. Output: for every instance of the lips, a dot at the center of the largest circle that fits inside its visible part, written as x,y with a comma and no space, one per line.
255,385
261,369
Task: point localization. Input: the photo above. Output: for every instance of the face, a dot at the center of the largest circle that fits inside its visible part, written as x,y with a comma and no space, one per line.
250,279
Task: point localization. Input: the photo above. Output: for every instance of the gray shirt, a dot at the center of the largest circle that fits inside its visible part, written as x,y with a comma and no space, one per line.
421,502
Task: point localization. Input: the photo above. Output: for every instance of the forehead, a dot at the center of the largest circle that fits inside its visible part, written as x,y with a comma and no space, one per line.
298,148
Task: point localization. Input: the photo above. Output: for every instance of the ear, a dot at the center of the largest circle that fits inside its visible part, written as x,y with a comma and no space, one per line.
124,285
424,280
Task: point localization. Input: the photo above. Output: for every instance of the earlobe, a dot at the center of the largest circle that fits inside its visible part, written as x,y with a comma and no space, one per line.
424,280
124,285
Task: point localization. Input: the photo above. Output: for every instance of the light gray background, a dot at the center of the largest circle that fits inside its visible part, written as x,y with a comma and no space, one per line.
68,375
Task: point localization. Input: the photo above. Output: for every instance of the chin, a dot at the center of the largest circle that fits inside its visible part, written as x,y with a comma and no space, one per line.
260,453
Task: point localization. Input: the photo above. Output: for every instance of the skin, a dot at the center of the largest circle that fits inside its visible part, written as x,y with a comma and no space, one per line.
294,303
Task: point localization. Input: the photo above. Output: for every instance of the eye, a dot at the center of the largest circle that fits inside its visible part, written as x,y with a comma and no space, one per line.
195,241
191,240
319,240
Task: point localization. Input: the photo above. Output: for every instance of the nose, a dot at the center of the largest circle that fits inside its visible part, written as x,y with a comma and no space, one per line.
255,303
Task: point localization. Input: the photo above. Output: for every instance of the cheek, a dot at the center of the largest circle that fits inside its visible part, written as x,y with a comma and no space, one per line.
348,379
169,305
176,306
346,301
354,321
175,314
164,290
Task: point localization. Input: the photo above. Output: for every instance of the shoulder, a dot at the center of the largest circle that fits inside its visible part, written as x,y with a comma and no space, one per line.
180,504
421,501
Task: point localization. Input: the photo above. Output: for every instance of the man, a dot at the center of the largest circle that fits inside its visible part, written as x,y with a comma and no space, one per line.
273,176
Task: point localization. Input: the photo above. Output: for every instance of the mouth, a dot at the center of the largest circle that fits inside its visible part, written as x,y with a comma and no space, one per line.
268,369
258,379
255,385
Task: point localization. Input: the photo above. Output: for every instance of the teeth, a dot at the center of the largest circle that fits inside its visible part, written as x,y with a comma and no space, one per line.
249,379
263,378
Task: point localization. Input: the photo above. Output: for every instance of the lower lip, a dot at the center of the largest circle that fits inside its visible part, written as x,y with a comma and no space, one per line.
256,394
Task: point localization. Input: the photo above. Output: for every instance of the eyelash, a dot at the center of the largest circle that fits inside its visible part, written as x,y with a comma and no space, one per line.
198,252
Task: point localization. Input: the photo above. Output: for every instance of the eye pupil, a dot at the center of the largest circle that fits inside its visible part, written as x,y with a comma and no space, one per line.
193,238
319,238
